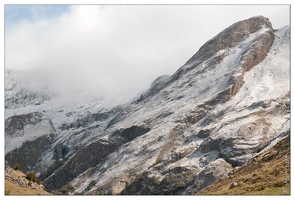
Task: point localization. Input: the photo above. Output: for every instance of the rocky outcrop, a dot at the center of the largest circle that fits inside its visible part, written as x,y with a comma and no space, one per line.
93,154
16,183
32,134
89,118
154,88
25,97
268,173
15,125
174,182
232,36
30,152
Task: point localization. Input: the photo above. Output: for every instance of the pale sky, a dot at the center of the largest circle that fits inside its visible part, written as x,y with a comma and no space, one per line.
116,51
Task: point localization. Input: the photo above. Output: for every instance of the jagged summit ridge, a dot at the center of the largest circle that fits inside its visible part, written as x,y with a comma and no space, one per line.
226,104
227,39
231,36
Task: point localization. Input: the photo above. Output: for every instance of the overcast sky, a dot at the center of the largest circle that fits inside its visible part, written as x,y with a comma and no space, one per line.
116,51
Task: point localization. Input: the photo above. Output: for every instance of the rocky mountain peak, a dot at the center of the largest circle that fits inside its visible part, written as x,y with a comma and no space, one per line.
231,36
257,30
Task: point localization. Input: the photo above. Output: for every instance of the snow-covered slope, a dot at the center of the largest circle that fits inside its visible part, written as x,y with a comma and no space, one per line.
21,90
230,101
33,112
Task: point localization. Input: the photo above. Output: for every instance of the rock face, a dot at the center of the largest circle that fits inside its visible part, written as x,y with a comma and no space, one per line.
15,125
268,173
230,101
93,154
233,36
30,152
27,136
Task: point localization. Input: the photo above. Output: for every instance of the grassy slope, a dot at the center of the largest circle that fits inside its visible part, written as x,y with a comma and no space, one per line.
13,189
267,174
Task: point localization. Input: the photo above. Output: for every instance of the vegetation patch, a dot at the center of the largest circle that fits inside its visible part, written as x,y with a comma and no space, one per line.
31,176
64,190
266,174
91,184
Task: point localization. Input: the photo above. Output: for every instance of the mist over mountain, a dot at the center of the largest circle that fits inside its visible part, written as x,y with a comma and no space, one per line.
229,102
113,52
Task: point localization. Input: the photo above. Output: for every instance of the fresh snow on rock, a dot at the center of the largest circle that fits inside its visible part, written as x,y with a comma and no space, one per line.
226,104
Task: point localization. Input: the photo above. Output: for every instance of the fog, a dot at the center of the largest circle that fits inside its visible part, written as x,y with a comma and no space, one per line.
115,52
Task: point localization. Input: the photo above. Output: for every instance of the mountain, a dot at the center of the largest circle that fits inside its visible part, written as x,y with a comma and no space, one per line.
229,102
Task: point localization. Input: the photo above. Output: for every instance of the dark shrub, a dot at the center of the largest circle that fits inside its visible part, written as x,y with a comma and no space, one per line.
17,166
91,184
31,176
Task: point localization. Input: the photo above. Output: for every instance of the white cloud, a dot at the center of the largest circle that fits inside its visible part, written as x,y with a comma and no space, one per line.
117,51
